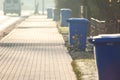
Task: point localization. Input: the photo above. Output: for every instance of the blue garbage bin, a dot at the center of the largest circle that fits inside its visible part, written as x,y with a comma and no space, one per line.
64,15
78,32
49,13
55,14
107,51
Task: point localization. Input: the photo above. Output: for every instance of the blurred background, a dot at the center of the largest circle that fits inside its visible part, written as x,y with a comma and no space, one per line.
30,4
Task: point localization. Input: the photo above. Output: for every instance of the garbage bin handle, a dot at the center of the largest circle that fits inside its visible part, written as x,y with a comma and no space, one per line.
68,20
90,39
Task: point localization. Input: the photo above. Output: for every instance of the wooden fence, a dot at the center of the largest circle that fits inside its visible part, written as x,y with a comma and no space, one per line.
97,27
100,27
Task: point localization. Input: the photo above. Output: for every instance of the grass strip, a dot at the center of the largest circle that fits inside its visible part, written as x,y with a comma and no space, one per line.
76,69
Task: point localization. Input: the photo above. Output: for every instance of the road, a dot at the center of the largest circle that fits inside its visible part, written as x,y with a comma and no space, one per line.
8,21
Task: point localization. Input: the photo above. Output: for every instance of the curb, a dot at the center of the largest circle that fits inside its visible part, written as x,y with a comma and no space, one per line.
11,26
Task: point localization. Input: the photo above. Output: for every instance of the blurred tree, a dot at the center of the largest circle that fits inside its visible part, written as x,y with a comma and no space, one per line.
90,7
110,11
71,4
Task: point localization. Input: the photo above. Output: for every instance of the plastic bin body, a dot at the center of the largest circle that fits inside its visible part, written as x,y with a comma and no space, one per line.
64,16
55,15
49,13
107,51
78,32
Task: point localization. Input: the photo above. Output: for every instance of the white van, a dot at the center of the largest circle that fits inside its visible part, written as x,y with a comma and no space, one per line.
12,6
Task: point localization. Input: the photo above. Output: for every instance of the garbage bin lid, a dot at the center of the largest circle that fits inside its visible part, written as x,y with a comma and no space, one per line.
65,9
110,35
104,38
50,8
80,20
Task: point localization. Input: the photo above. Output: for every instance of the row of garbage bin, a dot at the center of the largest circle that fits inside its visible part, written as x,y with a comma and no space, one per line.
106,46
77,26
64,15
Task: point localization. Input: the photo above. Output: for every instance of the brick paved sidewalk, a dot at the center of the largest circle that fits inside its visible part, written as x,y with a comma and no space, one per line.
35,50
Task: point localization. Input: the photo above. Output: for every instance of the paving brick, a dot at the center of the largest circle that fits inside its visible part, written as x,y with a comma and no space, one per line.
35,50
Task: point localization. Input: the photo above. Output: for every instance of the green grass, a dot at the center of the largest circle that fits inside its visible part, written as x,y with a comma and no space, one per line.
76,70
63,30
83,70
